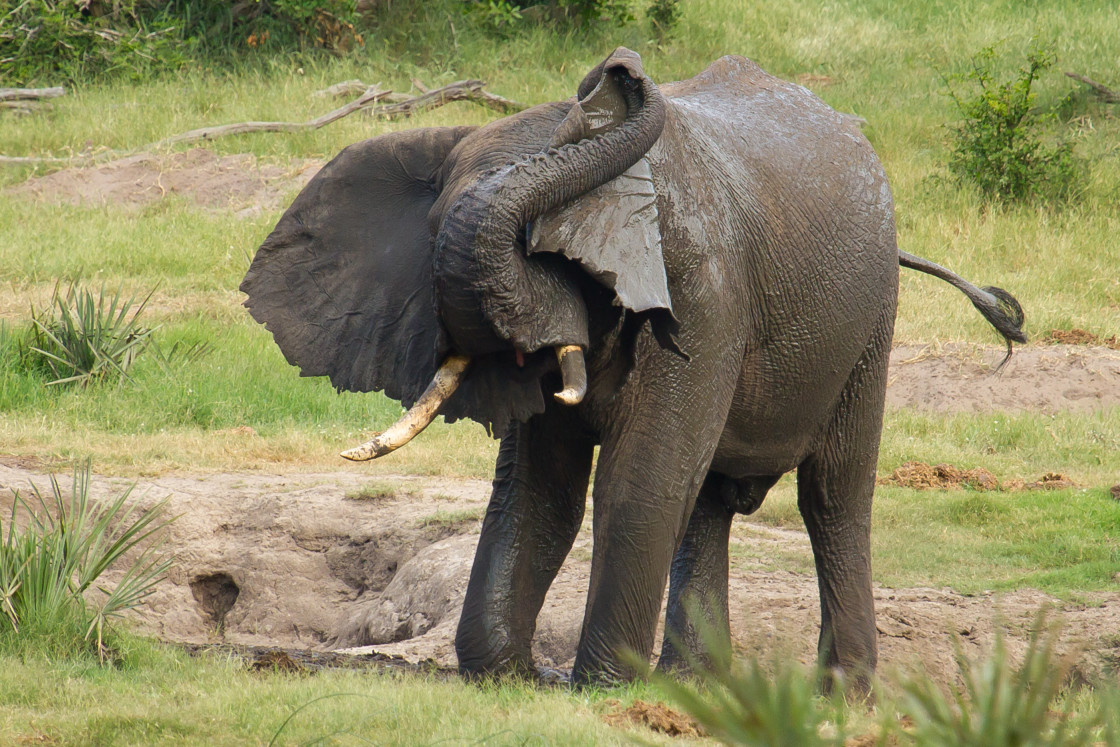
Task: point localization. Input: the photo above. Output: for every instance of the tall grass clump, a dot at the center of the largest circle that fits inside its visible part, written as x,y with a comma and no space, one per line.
1001,146
83,338
51,567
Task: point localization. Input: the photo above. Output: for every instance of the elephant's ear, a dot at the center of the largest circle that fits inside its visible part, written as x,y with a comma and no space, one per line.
612,231
344,280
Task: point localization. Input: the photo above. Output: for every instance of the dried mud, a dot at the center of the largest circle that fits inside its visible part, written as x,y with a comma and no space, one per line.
922,476
236,182
291,562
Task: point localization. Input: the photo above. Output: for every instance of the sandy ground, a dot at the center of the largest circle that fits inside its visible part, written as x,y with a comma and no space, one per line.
291,560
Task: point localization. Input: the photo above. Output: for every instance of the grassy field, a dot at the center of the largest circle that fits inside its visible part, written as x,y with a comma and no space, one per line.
159,695
241,407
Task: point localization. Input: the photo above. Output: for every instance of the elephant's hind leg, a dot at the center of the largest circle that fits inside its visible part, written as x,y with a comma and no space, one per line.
698,576
535,511
834,489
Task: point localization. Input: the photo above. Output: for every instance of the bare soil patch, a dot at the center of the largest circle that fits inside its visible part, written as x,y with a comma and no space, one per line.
292,562
656,717
1080,337
236,182
960,377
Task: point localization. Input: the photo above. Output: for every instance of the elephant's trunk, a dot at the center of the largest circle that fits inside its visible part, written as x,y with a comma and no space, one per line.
491,295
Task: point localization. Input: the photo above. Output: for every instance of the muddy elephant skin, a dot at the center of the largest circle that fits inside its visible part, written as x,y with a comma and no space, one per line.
720,255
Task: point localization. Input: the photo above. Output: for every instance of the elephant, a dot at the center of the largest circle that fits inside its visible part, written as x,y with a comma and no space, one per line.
703,275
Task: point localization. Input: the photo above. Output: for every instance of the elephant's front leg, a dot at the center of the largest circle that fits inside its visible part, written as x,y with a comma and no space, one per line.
536,508
651,465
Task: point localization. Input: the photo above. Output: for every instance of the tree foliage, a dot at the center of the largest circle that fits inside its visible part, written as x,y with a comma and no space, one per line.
1001,145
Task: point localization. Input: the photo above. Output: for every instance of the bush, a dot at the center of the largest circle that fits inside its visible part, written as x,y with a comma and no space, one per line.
999,147
82,338
500,16
49,570
664,15
62,40
743,703
74,40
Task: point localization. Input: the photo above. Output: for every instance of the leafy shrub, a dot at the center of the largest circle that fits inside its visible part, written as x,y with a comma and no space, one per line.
664,15
82,338
500,16
743,703
999,146
74,40
50,569
63,40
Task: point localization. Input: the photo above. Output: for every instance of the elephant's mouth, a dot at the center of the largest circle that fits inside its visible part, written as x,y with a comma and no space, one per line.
447,379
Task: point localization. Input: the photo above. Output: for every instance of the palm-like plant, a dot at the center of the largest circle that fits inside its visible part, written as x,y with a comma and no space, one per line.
48,569
85,338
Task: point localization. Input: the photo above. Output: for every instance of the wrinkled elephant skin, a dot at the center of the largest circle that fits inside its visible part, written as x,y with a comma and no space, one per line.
705,271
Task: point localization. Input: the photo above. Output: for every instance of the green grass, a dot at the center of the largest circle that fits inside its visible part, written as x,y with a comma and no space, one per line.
159,695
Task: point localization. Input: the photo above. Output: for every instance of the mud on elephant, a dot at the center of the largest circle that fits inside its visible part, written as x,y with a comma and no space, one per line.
699,277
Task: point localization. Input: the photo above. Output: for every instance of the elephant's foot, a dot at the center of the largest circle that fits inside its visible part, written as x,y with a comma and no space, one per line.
478,665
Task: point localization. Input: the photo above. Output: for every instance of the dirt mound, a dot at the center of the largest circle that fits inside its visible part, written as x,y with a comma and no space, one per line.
656,717
921,476
237,182
964,378
1080,337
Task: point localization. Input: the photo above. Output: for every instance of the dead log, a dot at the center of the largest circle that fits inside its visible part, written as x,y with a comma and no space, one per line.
1101,92
210,133
31,94
345,88
463,90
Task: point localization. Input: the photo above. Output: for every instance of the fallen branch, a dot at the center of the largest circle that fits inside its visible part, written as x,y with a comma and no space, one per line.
31,94
210,133
463,90
1101,92
345,88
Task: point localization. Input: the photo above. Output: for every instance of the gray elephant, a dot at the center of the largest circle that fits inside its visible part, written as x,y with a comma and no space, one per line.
699,277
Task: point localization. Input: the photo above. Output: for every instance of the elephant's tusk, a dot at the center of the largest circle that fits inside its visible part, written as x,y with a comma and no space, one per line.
573,371
418,417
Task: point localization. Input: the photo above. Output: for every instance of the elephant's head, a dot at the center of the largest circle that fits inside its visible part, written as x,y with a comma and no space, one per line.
477,247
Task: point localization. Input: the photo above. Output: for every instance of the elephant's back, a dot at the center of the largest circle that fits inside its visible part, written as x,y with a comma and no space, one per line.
805,201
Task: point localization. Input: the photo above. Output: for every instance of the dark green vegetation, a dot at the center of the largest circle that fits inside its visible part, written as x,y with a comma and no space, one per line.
994,703
997,147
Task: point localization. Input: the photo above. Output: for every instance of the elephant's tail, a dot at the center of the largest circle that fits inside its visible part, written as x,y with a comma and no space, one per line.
997,305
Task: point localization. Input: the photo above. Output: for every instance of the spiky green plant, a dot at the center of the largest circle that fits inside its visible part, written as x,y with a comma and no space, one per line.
50,569
745,703
83,338
998,704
